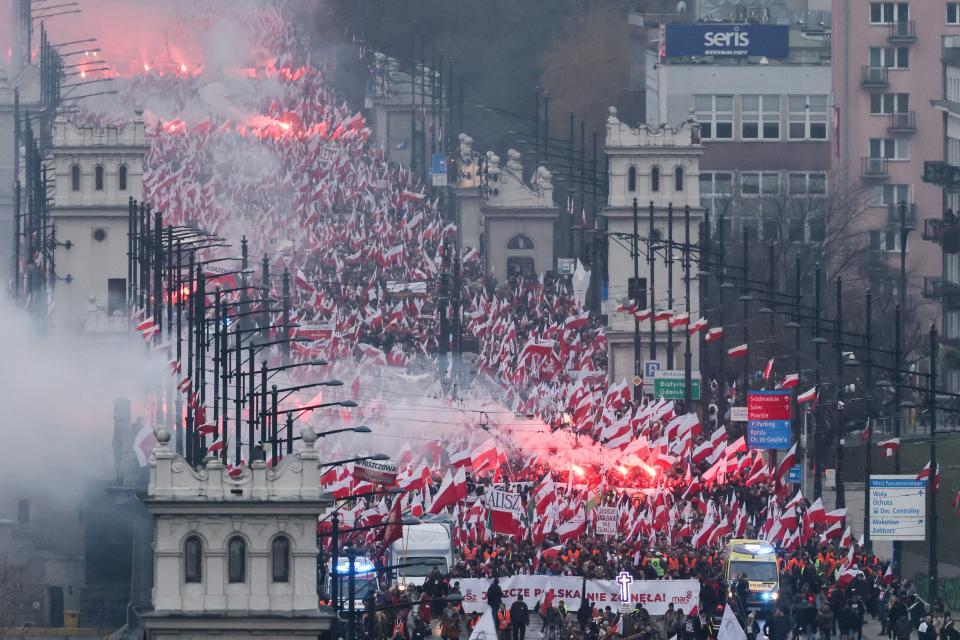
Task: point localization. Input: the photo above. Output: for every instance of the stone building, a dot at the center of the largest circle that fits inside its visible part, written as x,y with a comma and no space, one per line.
659,166
96,172
518,219
235,557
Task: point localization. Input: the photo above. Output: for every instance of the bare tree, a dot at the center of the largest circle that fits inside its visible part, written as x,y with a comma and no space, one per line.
12,584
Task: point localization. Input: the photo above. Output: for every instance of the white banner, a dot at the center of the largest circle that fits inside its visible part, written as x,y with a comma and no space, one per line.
654,595
505,501
605,521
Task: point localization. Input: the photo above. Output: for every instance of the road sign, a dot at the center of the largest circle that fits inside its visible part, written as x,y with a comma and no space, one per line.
768,420
566,266
637,381
795,474
438,170
605,521
738,414
671,384
650,368
898,507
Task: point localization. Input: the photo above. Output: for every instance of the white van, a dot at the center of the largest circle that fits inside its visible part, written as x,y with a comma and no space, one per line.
423,547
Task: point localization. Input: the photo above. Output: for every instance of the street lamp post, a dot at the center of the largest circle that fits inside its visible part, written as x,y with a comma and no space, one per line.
897,416
635,250
932,566
841,497
868,444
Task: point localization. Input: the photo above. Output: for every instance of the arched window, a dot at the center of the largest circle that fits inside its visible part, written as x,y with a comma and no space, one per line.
237,560
632,179
98,177
678,179
122,178
520,241
654,178
193,559
280,556
75,178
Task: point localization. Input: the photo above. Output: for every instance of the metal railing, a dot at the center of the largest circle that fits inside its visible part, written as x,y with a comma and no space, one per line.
874,77
875,168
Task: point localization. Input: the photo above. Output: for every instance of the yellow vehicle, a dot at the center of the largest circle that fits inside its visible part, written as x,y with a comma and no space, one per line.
757,559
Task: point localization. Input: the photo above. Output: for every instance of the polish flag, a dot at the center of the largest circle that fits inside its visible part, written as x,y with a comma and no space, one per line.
788,461
768,370
643,314
452,490
889,447
738,351
925,475
807,396
577,322
697,326
816,513
789,381
714,334
680,320
663,314
627,307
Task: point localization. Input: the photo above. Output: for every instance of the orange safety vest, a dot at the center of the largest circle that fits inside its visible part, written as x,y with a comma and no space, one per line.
504,617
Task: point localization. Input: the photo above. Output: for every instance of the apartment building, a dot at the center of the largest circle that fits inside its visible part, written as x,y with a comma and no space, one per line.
887,73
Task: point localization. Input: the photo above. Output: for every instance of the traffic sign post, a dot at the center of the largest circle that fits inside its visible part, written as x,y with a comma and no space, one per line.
898,507
768,420
438,170
670,384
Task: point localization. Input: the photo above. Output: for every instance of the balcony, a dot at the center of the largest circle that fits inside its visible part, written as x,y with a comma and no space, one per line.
948,293
944,232
874,169
904,122
902,32
874,78
908,216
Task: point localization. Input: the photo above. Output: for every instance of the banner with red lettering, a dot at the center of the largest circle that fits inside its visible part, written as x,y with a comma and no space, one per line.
654,595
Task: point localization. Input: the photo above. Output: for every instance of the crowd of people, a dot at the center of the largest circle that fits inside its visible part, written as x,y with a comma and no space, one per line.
365,245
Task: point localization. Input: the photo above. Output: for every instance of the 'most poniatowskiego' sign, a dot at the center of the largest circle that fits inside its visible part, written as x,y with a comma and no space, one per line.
729,40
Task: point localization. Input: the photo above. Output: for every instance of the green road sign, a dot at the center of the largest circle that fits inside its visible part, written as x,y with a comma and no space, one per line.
669,384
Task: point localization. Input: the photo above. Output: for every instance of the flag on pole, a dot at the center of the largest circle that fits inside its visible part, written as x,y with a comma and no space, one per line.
807,396
889,447
768,370
738,351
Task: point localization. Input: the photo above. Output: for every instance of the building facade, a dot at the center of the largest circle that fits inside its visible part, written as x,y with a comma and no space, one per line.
887,70
95,173
764,120
519,219
235,557
659,167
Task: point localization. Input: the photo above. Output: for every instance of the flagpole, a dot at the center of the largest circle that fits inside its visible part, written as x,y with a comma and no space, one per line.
841,501
669,261
818,342
932,561
868,445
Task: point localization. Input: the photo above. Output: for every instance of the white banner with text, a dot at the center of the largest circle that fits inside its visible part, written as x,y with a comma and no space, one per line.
654,595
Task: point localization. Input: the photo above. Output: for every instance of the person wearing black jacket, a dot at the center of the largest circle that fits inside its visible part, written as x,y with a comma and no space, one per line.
495,596
519,619
584,614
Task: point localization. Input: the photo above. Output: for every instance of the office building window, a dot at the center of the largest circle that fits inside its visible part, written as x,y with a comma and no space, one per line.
756,184
887,12
886,240
808,117
715,116
193,560
808,184
892,57
953,87
280,559
890,148
953,150
883,103
887,194
760,117
953,13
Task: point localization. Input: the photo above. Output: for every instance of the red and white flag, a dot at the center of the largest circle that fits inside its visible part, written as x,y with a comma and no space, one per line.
889,447
789,381
768,370
807,396
714,334
925,475
738,351
697,326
